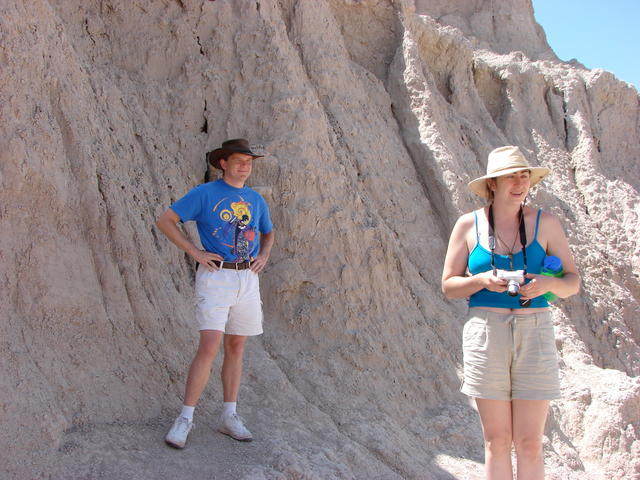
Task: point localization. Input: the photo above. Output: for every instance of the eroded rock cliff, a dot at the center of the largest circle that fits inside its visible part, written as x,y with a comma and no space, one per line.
373,115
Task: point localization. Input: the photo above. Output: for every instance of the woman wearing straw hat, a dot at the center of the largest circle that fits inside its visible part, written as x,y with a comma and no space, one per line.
510,358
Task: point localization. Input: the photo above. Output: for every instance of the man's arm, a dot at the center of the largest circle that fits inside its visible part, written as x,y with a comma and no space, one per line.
168,224
266,242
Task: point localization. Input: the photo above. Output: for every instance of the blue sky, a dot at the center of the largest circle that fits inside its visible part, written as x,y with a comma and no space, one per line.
598,33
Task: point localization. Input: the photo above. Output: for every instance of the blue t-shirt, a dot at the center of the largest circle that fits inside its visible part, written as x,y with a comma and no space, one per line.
228,218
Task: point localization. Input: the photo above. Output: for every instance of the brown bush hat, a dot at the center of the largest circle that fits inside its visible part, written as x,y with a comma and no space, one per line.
503,161
236,145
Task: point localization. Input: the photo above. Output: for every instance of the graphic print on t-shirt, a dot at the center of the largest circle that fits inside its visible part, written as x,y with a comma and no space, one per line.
236,232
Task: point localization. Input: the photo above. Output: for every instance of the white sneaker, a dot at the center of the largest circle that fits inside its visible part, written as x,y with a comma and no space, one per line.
233,426
177,436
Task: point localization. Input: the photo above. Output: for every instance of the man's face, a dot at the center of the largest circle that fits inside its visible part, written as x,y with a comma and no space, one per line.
237,166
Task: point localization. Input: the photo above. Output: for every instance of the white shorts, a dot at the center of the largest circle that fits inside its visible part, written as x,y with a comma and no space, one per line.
229,301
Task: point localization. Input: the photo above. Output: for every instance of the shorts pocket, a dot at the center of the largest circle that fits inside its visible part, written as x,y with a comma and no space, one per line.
546,341
474,336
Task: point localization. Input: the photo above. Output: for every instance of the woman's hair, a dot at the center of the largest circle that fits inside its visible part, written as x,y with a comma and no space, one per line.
489,191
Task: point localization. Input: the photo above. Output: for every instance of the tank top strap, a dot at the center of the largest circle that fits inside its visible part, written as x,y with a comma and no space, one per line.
475,216
535,234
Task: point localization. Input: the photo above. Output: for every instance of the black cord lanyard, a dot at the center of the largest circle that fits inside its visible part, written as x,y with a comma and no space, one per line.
523,240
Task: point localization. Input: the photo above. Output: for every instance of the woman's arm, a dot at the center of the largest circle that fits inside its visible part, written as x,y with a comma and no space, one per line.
557,245
455,284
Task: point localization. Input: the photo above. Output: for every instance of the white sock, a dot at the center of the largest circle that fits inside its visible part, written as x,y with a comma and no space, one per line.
187,412
228,408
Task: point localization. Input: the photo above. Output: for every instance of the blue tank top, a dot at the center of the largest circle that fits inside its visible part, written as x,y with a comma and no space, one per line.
480,261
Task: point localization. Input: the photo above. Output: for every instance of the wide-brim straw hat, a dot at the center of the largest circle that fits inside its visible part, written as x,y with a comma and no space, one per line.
236,145
503,161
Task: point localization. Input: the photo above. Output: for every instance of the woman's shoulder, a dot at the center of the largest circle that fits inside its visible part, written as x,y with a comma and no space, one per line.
468,219
545,217
549,225
535,212
466,223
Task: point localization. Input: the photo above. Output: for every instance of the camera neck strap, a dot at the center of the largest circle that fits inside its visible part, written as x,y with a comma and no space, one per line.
523,238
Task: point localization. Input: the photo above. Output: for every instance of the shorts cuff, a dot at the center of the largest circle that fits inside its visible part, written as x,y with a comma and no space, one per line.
244,333
472,392
539,395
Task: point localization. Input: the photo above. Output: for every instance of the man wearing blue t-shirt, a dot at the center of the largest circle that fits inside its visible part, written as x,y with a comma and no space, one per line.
237,235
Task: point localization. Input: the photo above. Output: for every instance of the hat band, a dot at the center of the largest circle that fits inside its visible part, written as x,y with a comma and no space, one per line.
510,167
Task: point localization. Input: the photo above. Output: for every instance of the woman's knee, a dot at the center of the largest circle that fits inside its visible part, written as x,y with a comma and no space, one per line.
528,446
498,442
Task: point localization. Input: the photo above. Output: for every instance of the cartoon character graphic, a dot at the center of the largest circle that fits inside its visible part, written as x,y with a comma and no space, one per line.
238,219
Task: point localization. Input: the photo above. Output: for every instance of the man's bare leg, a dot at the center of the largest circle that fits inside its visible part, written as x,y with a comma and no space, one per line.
201,365
232,366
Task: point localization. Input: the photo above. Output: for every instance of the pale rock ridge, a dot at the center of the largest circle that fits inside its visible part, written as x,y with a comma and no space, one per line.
374,115
502,26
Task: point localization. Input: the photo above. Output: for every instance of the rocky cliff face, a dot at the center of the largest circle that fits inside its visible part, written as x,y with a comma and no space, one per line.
374,115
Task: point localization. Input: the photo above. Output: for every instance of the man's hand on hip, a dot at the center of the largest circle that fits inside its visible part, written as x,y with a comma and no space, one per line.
207,259
259,263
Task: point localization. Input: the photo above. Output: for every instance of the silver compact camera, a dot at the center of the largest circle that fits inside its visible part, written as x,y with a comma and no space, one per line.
514,279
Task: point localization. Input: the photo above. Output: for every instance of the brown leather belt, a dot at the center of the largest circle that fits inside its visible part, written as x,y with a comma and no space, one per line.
234,266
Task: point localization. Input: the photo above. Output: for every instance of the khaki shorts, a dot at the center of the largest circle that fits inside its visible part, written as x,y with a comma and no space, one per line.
228,300
509,356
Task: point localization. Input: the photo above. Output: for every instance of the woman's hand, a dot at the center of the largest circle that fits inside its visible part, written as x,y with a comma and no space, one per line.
539,285
491,282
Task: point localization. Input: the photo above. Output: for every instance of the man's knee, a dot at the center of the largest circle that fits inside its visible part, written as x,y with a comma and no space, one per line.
234,345
209,344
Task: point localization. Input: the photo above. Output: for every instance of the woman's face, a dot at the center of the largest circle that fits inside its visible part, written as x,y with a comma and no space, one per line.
512,187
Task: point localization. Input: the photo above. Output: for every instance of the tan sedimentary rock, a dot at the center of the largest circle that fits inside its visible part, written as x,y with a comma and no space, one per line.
374,115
